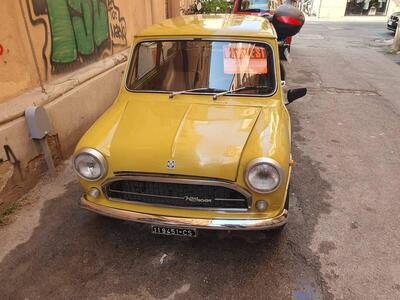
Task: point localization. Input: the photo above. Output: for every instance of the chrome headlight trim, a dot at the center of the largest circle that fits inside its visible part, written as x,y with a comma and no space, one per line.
96,155
260,161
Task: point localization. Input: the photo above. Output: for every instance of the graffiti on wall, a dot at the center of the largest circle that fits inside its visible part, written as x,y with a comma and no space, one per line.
117,24
77,31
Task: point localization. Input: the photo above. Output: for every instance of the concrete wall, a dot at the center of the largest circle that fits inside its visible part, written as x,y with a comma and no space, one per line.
17,69
332,9
72,111
44,39
393,7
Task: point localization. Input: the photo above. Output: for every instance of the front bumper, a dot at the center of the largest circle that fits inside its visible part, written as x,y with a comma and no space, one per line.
216,224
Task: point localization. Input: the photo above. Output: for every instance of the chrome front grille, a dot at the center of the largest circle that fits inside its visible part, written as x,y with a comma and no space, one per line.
177,192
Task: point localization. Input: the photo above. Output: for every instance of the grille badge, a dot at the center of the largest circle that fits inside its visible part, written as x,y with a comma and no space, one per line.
197,200
171,164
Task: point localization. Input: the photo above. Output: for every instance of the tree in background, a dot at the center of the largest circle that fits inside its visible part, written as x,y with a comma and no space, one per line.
208,7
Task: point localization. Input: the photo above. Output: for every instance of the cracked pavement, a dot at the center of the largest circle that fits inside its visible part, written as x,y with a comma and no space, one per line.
342,240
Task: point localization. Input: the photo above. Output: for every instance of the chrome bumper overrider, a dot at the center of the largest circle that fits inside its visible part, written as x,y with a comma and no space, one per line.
216,224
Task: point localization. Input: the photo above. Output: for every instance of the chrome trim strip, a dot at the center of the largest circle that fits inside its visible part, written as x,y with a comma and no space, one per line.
226,199
144,194
259,161
165,179
168,197
97,155
215,224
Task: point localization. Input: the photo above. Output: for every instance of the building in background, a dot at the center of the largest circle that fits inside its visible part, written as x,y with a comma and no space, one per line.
341,8
366,7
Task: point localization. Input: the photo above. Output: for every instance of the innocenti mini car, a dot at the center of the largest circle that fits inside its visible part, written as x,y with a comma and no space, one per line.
199,136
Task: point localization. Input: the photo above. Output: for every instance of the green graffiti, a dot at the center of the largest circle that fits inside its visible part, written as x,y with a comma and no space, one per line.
82,21
100,22
78,27
63,37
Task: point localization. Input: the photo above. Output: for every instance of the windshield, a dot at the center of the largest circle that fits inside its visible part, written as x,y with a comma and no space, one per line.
258,5
200,66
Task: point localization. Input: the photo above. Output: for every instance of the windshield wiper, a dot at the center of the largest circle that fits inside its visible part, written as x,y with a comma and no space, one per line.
173,94
258,87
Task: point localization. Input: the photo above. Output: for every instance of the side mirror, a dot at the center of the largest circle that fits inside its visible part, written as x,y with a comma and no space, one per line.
295,94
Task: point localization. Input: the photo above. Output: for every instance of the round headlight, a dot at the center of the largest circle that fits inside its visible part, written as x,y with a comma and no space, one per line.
263,175
90,164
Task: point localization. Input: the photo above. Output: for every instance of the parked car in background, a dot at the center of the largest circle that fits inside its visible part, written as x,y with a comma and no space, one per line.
393,21
199,136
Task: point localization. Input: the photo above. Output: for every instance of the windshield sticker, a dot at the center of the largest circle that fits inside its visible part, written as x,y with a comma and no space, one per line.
245,60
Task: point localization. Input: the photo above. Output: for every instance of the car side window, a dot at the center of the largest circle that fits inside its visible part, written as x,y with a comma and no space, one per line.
147,51
153,55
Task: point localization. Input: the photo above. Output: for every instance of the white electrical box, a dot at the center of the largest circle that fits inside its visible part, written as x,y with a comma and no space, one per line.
38,122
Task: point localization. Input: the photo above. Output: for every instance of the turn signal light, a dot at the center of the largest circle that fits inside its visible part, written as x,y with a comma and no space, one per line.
93,192
262,205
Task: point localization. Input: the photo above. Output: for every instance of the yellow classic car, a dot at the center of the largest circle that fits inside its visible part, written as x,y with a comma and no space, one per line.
199,136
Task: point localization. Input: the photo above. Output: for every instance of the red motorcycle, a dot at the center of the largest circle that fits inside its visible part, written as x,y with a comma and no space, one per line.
267,9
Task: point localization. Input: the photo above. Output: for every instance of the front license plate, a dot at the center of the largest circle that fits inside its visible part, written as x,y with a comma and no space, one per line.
173,231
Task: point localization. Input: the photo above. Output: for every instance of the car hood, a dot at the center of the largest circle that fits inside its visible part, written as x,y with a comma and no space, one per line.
182,139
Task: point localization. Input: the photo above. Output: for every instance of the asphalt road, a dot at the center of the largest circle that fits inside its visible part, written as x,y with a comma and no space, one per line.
342,241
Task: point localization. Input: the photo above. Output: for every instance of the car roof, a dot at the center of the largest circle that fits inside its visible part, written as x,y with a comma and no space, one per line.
219,25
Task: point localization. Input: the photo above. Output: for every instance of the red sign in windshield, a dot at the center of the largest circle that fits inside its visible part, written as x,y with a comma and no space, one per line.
245,60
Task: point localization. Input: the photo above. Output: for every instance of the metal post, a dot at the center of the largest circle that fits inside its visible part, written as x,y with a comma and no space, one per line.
47,156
